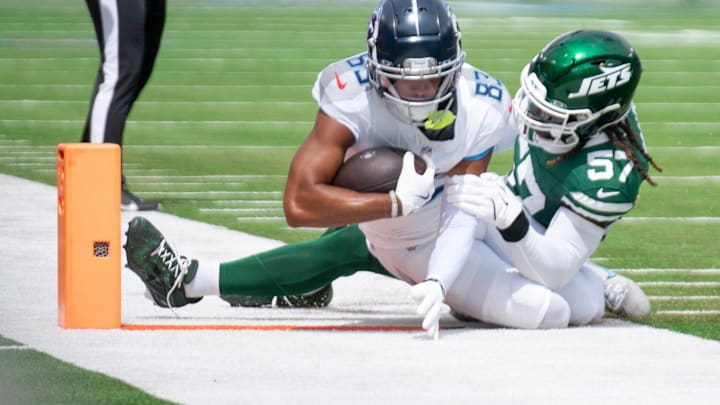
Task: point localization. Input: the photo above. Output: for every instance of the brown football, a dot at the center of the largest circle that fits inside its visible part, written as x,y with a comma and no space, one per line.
374,170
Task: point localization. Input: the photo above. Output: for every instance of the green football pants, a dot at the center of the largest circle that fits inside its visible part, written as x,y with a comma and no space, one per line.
300,267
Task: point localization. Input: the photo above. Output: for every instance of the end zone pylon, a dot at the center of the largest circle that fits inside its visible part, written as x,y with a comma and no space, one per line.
88,185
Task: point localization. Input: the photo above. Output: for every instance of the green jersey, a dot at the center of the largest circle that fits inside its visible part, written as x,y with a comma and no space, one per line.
598,182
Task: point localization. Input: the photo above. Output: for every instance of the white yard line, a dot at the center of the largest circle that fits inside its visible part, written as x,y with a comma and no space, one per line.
684,297
644,271
688,312
701,220
679,283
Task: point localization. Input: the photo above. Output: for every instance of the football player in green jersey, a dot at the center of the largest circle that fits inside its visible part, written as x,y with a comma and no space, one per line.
578,164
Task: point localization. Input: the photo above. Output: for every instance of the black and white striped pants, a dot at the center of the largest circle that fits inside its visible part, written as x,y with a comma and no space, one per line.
128,34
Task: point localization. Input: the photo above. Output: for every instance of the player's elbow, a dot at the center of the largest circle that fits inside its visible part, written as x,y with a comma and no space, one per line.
294,215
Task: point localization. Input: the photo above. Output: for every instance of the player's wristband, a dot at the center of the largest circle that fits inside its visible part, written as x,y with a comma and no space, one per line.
394,201
517,230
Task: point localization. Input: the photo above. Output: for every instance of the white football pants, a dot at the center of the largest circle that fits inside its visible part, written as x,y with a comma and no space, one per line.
493,291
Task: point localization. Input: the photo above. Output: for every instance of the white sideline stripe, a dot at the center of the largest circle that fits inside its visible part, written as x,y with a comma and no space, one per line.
644,271
680,283
671,219
687,312
683,298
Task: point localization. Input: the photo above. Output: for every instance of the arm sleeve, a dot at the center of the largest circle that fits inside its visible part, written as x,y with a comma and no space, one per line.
553,258
452,246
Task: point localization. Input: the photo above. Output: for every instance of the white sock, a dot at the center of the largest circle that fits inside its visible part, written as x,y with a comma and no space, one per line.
206,281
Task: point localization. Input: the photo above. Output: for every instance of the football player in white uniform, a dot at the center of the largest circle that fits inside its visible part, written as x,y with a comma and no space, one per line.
413,90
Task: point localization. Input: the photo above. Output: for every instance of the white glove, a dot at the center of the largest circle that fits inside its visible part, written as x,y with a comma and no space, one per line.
429,295
413,189
485,197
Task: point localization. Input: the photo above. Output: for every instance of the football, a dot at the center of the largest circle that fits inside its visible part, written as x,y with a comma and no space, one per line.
374,170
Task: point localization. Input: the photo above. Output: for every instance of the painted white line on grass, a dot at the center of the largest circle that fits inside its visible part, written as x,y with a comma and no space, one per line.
688,179
166,103
168,186
305,229
195,86
276,102
689,312
31,164
712,124
679,283
683,298
644,271
276,203
38,149
19,160
15,347
129,172
260,219
170,194
50,86
35,122
672,219
213,177
237,210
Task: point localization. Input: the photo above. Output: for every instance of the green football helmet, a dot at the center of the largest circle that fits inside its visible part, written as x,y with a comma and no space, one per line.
581,82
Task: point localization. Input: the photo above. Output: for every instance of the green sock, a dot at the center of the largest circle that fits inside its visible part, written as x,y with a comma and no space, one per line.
300,267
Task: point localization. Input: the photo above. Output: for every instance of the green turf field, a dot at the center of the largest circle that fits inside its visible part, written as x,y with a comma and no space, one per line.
229,101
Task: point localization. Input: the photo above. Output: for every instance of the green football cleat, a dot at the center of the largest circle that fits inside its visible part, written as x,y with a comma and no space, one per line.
159,266
316,299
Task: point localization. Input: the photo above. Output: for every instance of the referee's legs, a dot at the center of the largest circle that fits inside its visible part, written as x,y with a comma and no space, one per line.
127,57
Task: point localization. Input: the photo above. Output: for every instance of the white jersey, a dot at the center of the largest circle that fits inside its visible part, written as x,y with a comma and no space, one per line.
483,119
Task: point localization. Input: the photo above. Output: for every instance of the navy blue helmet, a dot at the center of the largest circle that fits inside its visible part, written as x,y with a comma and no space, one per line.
414,40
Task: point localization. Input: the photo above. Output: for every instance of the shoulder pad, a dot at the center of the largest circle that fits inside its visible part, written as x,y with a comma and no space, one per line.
342,80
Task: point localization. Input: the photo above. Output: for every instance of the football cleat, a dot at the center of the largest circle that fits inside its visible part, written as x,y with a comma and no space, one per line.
159,266
625,298
316,299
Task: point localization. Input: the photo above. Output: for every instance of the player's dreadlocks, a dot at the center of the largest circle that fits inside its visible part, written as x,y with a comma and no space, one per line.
624,137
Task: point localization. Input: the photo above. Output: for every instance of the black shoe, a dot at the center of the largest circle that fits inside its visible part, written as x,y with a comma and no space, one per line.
132,202
316,299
